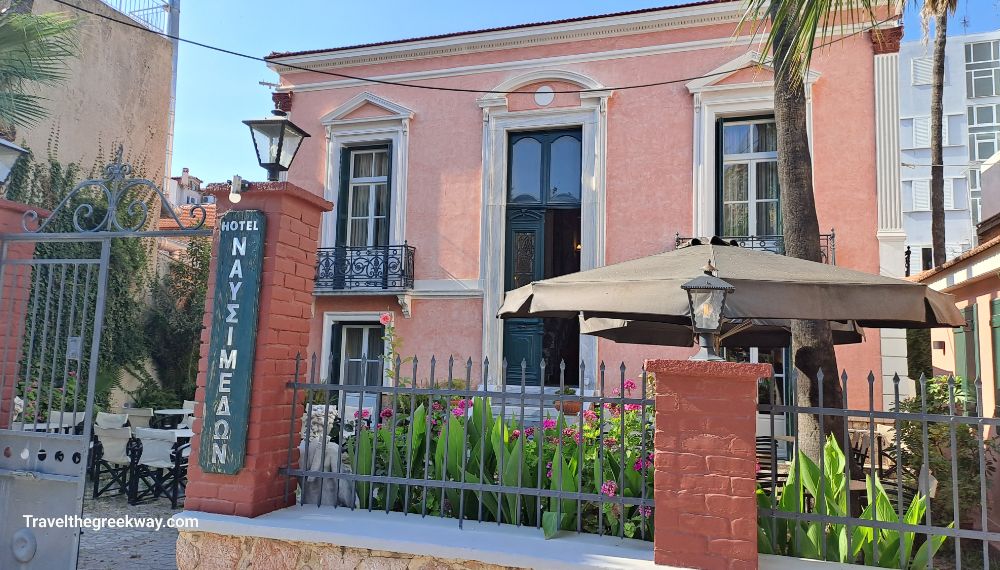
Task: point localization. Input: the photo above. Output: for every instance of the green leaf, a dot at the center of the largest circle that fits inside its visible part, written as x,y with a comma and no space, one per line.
363,466
550,524
392,493
927,550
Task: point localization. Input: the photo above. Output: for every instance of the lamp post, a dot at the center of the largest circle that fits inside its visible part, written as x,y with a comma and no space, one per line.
276,140
9,153
707,300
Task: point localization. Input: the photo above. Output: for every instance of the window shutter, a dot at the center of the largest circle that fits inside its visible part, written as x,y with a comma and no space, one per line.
342,204
922,70
944,130
921,132
384,237
995,336
949,193
336,345
921,195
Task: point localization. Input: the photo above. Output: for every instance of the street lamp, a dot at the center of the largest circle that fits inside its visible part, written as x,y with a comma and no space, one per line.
707,299
276,140
9,153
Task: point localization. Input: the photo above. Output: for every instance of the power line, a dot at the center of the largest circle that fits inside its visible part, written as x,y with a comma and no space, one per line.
433,87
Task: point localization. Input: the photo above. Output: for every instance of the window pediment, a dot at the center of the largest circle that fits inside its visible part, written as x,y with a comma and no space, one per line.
367,106
744,71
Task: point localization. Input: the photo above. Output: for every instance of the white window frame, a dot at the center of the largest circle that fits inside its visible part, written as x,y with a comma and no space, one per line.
751,160
344,132
972,115
974,144
923,185
714,100
349,319
370,182
365,327
973,74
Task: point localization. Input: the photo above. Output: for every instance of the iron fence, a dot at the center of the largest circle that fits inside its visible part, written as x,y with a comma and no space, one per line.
434,438
776,244
910,488
377,267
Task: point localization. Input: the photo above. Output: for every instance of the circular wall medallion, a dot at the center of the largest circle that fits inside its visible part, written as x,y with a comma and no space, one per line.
544,95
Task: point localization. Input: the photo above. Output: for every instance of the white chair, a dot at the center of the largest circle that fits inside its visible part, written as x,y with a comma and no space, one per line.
108,421
189,405
111,458
162,466
187,422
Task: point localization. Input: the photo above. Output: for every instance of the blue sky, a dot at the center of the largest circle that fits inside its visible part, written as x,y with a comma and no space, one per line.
216,91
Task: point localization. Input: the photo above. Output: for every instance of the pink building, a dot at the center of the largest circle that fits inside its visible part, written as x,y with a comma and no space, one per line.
548,159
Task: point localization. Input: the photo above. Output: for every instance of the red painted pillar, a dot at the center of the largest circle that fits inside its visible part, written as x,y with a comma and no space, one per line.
285,309
705,466
15,288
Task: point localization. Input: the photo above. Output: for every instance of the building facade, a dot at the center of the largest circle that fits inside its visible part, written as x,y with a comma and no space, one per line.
547,160
119,90
970,131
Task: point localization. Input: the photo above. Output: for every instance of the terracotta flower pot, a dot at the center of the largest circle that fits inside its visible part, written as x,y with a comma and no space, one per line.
570,408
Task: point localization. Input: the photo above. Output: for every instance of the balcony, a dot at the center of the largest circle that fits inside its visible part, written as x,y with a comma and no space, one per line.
776,244
364,269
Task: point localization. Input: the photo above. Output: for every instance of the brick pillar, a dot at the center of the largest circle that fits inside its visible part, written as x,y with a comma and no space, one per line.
705,467
14,294
286,303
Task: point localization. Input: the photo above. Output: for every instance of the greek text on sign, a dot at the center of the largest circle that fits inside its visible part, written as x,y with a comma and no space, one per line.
233,338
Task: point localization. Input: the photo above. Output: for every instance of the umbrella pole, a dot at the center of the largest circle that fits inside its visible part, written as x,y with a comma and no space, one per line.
706,349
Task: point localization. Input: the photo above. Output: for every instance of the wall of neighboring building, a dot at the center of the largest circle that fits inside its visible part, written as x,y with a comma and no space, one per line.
989,180
118,91
914,114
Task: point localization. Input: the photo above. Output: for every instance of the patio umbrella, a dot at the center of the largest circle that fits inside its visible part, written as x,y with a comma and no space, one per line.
762,333
767,286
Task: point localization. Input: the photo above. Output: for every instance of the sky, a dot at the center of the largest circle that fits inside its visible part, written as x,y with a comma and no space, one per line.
215,91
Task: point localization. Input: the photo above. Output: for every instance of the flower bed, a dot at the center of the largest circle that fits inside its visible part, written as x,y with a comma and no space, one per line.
603,458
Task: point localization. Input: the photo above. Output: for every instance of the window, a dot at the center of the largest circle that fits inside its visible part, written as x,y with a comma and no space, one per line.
984,116
749,195
951,128
921,70
983,145
921,194
363,209
982,69
356,354
926,258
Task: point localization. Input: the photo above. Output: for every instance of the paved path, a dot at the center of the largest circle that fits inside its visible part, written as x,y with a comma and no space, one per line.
128,548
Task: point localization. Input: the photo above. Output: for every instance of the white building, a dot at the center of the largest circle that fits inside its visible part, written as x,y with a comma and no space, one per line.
186,189
971,128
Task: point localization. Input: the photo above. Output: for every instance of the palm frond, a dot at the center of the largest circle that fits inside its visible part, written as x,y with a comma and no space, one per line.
793,29
34,50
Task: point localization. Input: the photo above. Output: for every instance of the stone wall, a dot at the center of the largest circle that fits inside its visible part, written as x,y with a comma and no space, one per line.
208,551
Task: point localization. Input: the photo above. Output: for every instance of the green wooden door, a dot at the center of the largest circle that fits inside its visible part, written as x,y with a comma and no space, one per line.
967,356
522,338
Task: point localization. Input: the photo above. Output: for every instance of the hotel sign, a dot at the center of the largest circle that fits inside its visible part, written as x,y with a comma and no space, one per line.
234,335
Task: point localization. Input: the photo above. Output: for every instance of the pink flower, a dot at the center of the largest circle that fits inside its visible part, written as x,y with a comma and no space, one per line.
529,432
548,424
385,319
549,467
572,434
436,406
458,412
589,416
613,408
386,413
609,488
364,414
645,511
72,374
610,442
515,434
633,407
630,385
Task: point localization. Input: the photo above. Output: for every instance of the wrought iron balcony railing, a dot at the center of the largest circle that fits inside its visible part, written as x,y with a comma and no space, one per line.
379,267
776,244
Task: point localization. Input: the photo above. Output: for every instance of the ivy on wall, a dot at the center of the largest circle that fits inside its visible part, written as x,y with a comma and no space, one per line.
45,183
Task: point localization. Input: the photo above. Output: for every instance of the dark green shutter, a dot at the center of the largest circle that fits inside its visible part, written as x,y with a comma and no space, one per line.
383,237
336,342
995,332
967,356
342,204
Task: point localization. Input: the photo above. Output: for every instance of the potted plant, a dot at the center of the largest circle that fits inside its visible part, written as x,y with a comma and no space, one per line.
568,407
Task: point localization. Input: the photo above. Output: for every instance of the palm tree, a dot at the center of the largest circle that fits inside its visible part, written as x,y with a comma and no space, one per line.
938,11
791,39
34,49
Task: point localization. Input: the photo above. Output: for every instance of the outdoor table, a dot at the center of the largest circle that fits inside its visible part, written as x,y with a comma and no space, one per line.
182,434
172,416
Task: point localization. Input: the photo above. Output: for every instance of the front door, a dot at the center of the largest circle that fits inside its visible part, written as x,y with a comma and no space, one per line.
542,241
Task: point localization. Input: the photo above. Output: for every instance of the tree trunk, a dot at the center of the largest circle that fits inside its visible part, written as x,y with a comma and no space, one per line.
937,158
812,342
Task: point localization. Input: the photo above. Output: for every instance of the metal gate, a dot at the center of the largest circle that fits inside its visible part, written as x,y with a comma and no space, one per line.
53,286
